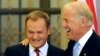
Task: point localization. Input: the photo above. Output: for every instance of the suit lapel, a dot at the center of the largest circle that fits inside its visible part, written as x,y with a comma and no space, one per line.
69,50
87,47
50,52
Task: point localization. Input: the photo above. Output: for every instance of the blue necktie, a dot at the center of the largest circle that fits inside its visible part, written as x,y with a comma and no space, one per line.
76,49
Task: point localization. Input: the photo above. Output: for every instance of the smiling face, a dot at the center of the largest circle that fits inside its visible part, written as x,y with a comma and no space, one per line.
37,32
77,20
72,24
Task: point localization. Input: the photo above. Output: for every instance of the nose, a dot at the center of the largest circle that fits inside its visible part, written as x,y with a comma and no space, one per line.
64,24
35,36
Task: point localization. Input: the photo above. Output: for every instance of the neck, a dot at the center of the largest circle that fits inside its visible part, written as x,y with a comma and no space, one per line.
83,32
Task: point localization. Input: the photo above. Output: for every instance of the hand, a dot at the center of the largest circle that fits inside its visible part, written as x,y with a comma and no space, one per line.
25,42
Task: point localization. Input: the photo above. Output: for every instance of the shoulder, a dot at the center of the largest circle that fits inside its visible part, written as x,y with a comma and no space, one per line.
14,50
95,49
95,41
96,38
56,51
55,48
18,46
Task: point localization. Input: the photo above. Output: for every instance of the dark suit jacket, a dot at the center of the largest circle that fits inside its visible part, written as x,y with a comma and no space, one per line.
91,48
19,50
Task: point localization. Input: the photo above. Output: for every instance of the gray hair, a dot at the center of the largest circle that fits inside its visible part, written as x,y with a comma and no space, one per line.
82,10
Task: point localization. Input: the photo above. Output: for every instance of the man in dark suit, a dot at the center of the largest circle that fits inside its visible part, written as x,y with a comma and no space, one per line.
78,22
37,26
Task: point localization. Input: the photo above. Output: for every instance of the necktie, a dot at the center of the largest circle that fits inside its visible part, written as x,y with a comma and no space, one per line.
37,51
76,49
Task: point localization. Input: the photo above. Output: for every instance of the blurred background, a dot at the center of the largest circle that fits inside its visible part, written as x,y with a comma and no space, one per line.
12,21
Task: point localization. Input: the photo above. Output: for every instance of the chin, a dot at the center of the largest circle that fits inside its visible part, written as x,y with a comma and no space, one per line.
36,46
70,38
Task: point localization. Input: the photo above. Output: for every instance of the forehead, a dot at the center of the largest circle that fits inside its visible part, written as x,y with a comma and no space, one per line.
37,23
69,12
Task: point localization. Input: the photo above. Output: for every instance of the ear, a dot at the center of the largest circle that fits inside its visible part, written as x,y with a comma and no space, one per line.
83,21
49,31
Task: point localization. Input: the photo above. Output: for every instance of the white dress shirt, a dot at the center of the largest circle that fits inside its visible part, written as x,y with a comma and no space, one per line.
84,39
43,50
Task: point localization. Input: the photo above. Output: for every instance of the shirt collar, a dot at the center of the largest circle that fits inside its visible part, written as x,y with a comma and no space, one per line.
43,49
84,39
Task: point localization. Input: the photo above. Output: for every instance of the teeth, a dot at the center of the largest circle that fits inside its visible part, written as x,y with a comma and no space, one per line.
36,40
67,30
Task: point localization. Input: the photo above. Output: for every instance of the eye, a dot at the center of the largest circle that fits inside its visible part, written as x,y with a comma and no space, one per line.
65,20
40,32
30,32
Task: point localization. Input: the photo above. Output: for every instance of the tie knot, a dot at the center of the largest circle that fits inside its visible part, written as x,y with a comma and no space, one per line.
37,50
77,44
76,49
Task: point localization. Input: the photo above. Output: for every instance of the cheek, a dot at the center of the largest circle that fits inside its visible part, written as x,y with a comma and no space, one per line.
44,37
28,35
75,30
75,26
44,34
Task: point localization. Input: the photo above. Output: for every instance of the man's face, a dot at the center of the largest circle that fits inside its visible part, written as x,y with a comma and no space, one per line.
71,24
37,32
